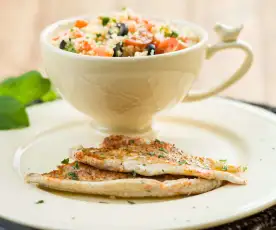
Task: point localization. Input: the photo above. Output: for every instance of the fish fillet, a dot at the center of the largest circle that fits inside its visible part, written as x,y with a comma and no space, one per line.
149,158
80,178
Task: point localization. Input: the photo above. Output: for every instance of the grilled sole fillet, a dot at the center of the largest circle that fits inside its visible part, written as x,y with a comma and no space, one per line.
125,154
80,178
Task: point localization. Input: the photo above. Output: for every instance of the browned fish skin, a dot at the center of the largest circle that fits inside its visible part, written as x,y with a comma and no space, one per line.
80,178
118,146
155,157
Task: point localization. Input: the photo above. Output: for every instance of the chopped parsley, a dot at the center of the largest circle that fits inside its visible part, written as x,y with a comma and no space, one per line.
105,20
161,156
40,202
223,161
98,35
174,34
163,150
224,168
131,141
130,202
134,173
244,168
113,20
73,175
163,170
144,164
182,162
151,153
124,8
65,161
157,141
70,47
166,34
76,166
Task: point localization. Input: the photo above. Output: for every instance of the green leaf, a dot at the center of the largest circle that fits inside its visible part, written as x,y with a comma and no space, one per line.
51,95
26,88
12,114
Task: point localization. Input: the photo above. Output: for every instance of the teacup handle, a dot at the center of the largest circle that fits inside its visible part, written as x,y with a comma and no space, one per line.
228,36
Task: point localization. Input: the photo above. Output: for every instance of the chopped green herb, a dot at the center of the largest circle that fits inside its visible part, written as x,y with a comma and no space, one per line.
151,153
163,150
131,141
130,202
105,20
174,34
244,168
124,8
157,141
113,20
161,156
166,34
40,202
72,29
70,47
144,164
98,35
224,168
134,173
102,155
163,170
223,160
182,162
76,166
73,175
65,161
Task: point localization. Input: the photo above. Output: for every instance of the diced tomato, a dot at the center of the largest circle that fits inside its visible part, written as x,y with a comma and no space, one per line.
131,26
169,45
156,41
77,35
86,46
101,51
81,23
148,25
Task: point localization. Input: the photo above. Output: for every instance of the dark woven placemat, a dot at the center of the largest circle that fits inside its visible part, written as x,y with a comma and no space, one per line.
262,221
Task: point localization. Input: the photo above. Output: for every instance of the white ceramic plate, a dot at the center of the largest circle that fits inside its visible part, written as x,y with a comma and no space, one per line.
217,128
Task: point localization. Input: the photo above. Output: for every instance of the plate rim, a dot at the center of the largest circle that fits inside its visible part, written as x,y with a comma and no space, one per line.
242,105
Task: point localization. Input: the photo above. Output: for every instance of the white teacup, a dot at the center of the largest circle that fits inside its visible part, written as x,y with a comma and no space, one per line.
123,94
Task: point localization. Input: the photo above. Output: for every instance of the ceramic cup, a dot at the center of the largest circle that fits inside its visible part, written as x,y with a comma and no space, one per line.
124,94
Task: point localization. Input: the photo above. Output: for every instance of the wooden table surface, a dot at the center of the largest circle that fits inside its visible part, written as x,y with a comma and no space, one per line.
21,22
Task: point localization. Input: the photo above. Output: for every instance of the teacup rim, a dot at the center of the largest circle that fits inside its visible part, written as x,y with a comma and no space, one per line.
53,26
